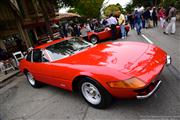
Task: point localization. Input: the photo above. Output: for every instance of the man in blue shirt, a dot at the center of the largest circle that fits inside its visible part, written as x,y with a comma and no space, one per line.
138,21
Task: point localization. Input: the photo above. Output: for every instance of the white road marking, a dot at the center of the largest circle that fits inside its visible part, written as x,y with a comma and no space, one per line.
147,39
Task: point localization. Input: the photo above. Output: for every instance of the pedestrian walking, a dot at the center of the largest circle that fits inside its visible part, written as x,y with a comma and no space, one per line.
131,20
171,27
138,21
154,17
147,17
112,22
122,22
161,15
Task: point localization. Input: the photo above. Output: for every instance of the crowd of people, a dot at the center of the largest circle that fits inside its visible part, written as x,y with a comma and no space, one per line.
148,18
76,29
82,29
118,19
144,18
138,19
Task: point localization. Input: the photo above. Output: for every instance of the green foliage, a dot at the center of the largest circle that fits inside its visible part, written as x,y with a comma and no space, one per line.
67,3
129,8
145,3
177,4
87,8
71,10
167,3
112,9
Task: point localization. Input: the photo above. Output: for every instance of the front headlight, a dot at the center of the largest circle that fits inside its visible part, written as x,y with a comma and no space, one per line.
130,83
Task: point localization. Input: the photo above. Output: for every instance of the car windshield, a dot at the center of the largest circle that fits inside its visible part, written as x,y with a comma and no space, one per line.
66,48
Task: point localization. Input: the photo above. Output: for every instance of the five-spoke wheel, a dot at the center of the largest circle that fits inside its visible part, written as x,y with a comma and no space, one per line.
94,94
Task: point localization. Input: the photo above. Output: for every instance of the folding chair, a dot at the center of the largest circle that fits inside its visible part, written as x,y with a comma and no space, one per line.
6,66
18,56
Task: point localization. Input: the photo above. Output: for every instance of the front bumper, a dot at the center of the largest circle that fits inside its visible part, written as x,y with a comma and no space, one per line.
151,92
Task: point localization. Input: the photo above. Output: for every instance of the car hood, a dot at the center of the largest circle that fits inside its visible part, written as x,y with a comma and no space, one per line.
149,65
115,55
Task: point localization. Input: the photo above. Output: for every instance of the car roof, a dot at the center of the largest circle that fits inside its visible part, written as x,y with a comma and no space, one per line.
51,43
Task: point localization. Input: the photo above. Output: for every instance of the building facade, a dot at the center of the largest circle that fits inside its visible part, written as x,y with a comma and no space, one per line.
25,20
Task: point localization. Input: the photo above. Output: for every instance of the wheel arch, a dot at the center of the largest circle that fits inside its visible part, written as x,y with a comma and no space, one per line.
76,81
25,70
79,77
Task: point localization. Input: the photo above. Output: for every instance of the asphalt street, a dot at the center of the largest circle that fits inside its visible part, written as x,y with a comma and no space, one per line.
19,101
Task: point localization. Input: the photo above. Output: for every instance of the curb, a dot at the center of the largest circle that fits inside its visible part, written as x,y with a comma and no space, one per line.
8,79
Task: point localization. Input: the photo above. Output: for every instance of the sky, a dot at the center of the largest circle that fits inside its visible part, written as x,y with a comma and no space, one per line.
121,2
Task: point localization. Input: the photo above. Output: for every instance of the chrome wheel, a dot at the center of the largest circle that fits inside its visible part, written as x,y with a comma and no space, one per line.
94,40
91,93
30,78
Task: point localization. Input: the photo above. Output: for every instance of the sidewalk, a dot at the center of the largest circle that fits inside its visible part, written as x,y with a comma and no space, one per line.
4,78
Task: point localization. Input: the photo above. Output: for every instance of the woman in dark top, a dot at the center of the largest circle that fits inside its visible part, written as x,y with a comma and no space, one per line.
154,17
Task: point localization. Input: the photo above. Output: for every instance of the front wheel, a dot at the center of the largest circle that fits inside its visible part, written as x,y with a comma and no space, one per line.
94,94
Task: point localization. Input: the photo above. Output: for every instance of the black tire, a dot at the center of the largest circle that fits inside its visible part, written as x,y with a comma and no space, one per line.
35,84
105,97
94,39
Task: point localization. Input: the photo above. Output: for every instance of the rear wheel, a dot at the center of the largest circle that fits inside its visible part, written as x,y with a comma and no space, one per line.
94,39
94,94
32,81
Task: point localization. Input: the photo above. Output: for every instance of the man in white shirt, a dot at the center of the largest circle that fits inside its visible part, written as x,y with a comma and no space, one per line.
112,22
84,32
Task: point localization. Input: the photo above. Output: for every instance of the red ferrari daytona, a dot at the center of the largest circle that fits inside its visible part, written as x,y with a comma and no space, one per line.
99,72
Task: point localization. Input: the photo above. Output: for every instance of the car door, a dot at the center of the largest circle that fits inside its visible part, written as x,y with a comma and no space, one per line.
36,66
45,71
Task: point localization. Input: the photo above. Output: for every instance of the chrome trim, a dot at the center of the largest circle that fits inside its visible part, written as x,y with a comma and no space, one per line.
168,60
149,94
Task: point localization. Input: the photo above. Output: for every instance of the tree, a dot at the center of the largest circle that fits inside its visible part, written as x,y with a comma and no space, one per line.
129,7
111,9
177,4
87,8
145,3
167,3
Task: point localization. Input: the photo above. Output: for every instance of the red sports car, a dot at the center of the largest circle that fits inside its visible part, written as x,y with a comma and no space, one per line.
99,72
103,34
